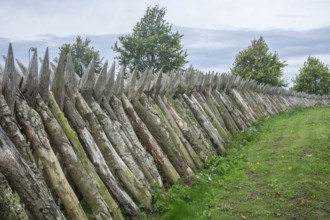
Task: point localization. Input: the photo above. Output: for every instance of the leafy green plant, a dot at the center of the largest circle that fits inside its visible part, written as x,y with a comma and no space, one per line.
152,44
258,63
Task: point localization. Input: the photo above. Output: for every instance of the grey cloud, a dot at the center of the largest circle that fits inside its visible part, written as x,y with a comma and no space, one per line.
216,49
207,49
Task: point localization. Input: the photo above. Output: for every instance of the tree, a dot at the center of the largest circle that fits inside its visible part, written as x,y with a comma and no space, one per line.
258,63
152,44
313,78
82,53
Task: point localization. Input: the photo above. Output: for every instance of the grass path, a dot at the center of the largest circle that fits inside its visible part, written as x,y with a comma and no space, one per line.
278,169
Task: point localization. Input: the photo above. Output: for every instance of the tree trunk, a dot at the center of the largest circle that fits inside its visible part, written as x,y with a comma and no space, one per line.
72,163
233,105
22,180
80,152
100,165
159,130
236,115
112,131
206,125
34,129
180,106
144,159
186,148
10,208
136,189
10,126
243,105
188,132
216,121
149,142
223,111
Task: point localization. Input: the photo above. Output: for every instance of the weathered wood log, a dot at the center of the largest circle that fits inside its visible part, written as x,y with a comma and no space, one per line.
30,85
139,192
158,85
10,126
142,83
79,150
131,84
147,140
44,80
159,130
109,88
13,131
99,162
100,83
34,129
185,147
57,85
8,123
145,160
112,131
92,149
22,67
264,108
180,106
22,179
70,79
157,106
188,132
9,80
223,112
86,84
242,105
72,163
252,102
236,115
10,208
215,121
228,96
207,126
119,85
211,103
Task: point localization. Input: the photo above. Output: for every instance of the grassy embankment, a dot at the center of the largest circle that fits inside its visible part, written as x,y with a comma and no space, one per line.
278,169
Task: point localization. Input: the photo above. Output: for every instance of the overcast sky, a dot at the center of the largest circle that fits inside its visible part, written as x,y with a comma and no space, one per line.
215,30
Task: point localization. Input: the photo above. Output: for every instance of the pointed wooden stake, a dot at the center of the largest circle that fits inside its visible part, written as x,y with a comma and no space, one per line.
70,77
22,67
101,81
158,84
58,83
31,83
142,84
119,86
109,88
87,81
9,80
132,84
45,78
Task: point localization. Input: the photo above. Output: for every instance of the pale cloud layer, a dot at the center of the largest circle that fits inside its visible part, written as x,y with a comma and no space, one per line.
29,18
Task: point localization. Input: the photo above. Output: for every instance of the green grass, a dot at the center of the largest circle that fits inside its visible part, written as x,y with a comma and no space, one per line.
277,169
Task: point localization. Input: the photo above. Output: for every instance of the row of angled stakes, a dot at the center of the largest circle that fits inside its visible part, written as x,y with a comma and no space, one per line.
106,140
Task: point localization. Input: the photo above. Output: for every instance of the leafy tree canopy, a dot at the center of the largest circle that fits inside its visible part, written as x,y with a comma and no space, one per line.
152,44
82,53
313,78
258,63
